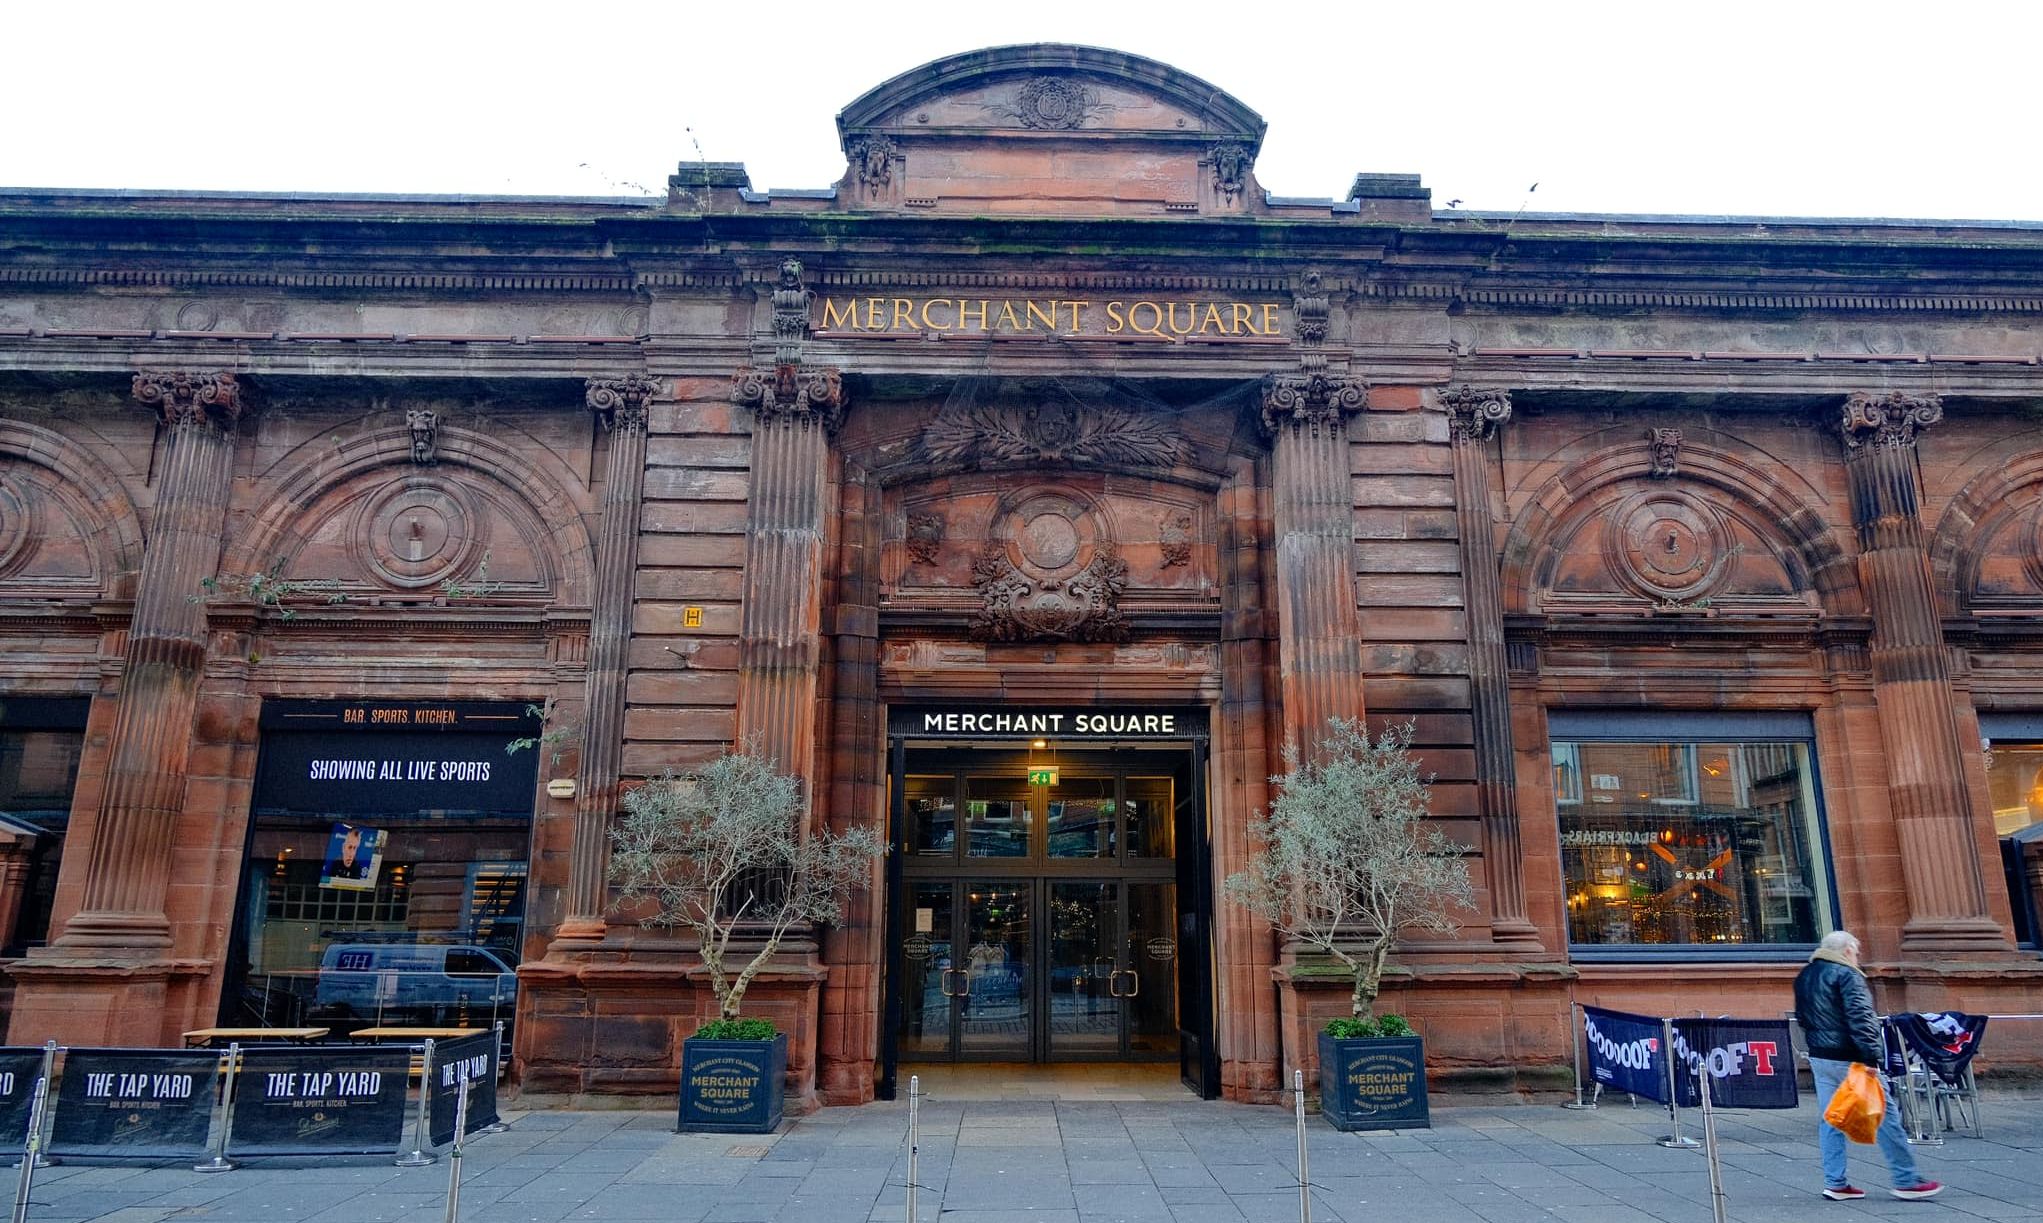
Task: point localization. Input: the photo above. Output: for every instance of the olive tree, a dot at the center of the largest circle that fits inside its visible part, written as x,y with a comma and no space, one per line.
1348,862
728,847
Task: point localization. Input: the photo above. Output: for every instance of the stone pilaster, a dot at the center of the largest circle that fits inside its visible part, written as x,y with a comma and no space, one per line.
779,637
619,405
1473,416
127,876
1312,498
1912,678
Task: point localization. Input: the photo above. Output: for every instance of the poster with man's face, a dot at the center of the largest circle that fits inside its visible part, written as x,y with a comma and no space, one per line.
353,855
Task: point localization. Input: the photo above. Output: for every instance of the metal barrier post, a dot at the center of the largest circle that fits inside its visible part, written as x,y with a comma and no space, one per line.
1304,1173
420,1157
32,1146
497,1127
1581,1035
220,1162
1702,1084
914,1109
49,1075
1674,1139
454,1156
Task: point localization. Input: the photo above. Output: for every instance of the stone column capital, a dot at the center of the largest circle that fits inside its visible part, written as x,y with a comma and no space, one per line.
1474,413
811,397
1315,399
186,400
1888,421
620,403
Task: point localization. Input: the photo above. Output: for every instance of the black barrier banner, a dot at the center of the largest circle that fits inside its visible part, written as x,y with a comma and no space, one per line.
1944,1040
156,1103
1751,1061
19,1069
1625,1052
314,1101
477,1058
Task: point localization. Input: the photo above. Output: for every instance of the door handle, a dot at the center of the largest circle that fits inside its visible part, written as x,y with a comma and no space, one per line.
943,982
1134,983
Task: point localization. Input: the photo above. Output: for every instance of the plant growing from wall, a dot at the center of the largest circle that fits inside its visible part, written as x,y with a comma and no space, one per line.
555,737
1348,862
729,847
269,590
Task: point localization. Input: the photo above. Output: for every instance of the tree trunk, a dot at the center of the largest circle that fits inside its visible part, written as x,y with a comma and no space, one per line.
1369,979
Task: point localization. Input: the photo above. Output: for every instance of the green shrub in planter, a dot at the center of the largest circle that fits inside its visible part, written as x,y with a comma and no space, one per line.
1372,1074
733,843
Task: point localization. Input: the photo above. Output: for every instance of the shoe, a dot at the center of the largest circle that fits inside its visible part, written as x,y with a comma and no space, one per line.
1927,1189
1850,1193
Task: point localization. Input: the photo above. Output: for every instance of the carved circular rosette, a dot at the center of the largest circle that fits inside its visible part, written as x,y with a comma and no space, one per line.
184,400
416,533
1310,402
1473,413
620,403
1890,420
1668,546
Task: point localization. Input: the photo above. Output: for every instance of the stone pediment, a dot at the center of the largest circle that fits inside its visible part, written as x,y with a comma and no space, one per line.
1050,128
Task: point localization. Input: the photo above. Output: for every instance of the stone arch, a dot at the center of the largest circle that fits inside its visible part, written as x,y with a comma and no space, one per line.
1798,533
498,475
90,494
1963,548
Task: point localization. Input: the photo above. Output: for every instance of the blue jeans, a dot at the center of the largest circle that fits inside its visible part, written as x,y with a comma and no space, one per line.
1892,1139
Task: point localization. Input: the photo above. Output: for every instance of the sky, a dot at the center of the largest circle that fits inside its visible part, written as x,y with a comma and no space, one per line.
1711,107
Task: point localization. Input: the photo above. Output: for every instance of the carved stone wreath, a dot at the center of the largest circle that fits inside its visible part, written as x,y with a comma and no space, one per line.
1007,436
1668,546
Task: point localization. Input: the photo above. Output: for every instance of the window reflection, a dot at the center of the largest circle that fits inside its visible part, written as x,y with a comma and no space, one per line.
1689,843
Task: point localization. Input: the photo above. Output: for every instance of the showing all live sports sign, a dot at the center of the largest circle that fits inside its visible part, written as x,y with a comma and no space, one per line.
1751,1062
1626,1052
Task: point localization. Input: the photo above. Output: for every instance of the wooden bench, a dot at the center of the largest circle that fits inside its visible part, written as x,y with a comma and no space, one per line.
204,1037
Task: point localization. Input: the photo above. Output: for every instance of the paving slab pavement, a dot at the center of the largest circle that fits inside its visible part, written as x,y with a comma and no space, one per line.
1086,1161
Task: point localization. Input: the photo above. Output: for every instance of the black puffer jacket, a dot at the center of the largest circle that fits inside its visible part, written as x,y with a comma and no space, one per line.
1836,1012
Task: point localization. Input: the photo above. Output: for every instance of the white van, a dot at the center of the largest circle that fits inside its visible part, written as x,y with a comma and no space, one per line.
435,979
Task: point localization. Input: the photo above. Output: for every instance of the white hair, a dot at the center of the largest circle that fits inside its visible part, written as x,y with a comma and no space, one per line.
1840,940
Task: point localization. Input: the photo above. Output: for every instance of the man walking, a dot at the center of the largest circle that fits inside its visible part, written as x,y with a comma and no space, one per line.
1835,1009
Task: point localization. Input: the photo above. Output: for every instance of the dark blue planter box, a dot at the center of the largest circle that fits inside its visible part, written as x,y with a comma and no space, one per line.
732,1086
1373,1083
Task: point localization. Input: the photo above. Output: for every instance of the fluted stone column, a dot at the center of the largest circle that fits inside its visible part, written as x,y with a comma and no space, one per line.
620,408
127,872
1912,678
1473,416
779,637
1319,656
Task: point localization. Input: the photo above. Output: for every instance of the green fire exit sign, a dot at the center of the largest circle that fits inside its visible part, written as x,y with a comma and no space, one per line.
1043,777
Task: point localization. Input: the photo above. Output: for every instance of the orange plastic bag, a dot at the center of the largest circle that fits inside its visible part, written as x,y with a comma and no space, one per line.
1858,1105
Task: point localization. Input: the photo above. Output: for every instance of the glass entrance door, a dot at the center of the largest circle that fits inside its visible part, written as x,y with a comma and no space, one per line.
1113,969
1039,920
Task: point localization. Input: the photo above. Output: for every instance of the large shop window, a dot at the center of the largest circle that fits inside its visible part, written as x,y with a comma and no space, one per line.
2014,775
41,739
1689,831
386,873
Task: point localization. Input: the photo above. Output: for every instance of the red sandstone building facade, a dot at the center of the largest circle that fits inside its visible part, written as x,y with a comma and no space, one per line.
1028,491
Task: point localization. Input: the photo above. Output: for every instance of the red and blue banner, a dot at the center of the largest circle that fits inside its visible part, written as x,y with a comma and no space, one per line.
1751,1062
1626,1052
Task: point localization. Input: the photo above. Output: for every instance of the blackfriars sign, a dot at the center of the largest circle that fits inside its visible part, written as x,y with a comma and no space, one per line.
1048,723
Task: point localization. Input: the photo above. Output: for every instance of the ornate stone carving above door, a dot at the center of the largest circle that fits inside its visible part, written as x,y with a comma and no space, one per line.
1049,572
